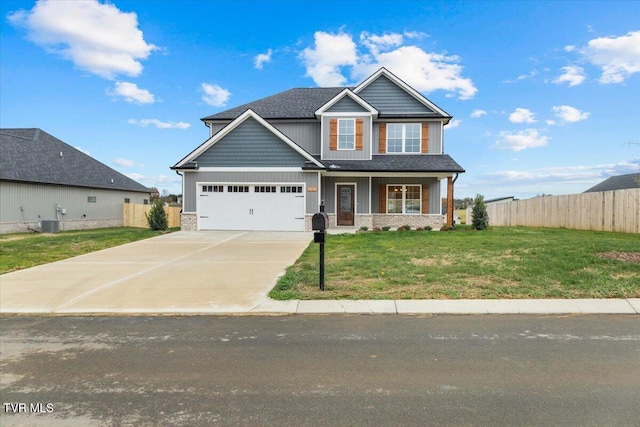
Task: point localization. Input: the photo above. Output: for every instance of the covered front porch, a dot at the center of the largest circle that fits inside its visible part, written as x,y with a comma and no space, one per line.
383,199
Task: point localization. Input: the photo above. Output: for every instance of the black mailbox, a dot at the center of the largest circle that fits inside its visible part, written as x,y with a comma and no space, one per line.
320,221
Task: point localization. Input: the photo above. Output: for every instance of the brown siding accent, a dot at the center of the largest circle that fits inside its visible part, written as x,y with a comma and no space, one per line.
359,135
424,148
425,198
382,139
382,196
333,134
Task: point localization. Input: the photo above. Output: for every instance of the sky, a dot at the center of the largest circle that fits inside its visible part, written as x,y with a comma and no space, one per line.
545,95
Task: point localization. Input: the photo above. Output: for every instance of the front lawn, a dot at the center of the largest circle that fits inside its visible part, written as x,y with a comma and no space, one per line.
24,250
501,262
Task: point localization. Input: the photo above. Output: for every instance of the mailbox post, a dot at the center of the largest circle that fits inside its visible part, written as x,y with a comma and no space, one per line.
319,224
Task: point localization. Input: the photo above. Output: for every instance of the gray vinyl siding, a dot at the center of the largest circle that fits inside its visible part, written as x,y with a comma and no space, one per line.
38,201
388,98
216,127
192,178
306,135
434,191
435,136
347,105
362,193
250,144
364,154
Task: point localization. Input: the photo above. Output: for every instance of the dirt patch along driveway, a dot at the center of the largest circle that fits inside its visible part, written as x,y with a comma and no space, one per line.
183,272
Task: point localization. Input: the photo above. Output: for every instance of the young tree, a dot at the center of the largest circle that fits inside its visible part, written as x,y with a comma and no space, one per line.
157,217
480,219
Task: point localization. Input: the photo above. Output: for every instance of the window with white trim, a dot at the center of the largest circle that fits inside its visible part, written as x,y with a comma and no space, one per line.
265,189
403,137
213,188
237,188
291,189
404,199
346,134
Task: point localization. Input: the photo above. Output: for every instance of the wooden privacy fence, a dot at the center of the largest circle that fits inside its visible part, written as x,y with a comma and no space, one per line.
602,211
136,215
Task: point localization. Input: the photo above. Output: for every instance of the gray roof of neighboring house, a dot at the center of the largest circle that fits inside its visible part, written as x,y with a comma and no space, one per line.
32,155
398,163
618,182
300,103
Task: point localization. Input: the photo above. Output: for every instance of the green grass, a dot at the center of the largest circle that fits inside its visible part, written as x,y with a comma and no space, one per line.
19,251
499,262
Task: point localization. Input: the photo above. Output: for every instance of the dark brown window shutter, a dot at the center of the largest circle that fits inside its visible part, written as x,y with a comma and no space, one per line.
333,134
425,198
383,198
424,148
382,139
359,134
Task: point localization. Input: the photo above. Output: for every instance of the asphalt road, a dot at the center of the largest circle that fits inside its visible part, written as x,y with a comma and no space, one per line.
513,370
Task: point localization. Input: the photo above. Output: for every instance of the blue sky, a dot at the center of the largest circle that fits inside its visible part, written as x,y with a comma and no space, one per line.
545,95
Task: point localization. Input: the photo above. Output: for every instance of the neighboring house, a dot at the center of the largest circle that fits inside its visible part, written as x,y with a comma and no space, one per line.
618,182
373,154
42,178
500,200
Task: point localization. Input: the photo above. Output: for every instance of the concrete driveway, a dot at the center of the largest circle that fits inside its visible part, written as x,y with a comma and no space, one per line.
183,272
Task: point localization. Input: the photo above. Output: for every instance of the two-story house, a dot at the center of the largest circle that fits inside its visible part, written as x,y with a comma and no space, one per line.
372,154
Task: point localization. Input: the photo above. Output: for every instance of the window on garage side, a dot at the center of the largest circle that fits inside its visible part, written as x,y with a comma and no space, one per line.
291,189
213,188
238,188
265,189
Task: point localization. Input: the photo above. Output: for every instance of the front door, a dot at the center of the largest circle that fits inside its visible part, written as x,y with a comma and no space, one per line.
345,204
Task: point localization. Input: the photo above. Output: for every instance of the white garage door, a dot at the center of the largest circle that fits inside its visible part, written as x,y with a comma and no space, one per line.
277,207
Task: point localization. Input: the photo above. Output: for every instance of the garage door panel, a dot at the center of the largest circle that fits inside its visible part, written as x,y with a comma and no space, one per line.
269,208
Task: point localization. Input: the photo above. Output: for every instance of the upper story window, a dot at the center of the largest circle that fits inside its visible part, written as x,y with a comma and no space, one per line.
403,137
346,134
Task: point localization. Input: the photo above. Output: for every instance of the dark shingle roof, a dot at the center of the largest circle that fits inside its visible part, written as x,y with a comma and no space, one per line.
32,155
299,103
619,182
395,163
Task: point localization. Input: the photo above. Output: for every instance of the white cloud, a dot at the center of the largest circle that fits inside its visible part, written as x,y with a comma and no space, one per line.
522,115
262,58
215,95
617,57
569,174
569,114
327,60
573,75
170,183
528,138
475,114
83,151
329,54
96,37
126,163
454,123
569,48
159,124
131,93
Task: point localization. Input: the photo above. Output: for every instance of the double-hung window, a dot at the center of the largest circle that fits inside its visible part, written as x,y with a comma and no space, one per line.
346,134
403,137
404,199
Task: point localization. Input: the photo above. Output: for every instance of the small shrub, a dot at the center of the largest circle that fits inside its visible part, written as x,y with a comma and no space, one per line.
157,217
419,229
404,228
428,228
364,228
386,228
480,219
376,229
